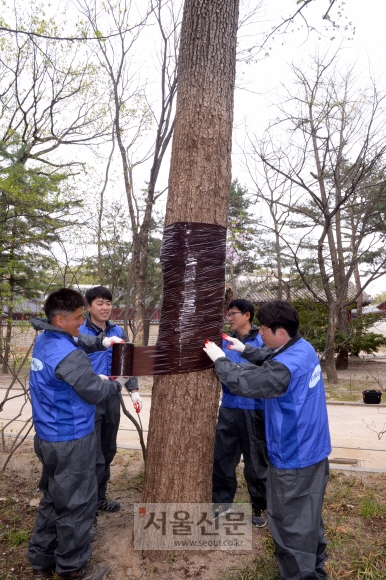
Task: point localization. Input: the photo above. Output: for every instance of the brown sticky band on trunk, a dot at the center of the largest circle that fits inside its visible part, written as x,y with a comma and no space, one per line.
193,264
122,359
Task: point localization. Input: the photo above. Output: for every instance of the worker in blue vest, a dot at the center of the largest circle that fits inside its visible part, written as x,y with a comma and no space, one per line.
240,428
64,391
288,376
107,416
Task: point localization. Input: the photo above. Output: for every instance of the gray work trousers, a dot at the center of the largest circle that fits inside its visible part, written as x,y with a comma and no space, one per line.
107,416
294,508
60,540
240,431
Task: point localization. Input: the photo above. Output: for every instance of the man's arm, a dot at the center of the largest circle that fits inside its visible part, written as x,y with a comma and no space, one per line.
132,384
90,343
256,356
76,370
268,381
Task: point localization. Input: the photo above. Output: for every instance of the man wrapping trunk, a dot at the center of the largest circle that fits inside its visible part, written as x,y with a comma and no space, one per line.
288,376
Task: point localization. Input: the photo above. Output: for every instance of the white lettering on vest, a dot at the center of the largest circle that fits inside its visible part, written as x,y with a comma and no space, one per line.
315,377
36,364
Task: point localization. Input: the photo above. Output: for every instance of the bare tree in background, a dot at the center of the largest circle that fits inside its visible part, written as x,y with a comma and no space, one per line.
331,152
48,102
115,57
272,190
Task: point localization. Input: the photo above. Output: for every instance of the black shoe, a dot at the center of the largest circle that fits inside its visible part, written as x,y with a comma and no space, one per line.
43,574
220,509
258,520
108,506
94,530
96,572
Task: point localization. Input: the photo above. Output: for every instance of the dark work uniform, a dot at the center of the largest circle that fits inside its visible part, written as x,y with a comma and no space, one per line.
240,430
64,391
107,415
298,444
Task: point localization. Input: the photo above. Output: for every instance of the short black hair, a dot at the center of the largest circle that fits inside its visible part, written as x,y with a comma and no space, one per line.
98,292
279,314
63,301
244,306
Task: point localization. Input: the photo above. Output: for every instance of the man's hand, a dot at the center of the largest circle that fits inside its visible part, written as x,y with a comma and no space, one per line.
110,340
121,380
137,401
104,378
212,350
236,344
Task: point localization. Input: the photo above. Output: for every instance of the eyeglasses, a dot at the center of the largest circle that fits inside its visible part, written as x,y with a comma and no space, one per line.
233,313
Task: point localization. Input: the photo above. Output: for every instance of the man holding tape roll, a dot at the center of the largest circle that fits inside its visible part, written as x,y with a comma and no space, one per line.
107,416
64,392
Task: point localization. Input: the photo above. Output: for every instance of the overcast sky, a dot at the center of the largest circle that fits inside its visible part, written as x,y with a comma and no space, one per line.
261,83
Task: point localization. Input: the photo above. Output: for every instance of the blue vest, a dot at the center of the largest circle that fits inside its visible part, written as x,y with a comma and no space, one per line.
296,423
59,414
229,400
101,360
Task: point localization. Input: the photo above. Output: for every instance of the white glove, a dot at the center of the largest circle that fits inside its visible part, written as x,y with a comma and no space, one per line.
103,377
121,380
110,340
136,400
212,350
236,344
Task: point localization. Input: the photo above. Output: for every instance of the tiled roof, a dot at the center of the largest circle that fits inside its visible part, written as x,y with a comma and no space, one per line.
260,291
26,306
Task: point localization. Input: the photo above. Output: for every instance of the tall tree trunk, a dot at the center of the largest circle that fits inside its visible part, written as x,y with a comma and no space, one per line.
126,320
332,376
233,278
146,328
357,278
358,287
140,262
100,215
184,407
278,262
343,325
340,280
7,340
8,327
1,328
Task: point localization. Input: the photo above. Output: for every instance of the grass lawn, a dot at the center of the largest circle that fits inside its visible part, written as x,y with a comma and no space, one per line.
355,520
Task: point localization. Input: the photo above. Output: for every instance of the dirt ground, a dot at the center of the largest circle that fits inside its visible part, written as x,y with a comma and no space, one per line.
355,517
354,513
19,497
362,374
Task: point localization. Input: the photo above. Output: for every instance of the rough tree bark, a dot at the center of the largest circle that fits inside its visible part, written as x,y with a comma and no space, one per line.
184,407
340,275
8,331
